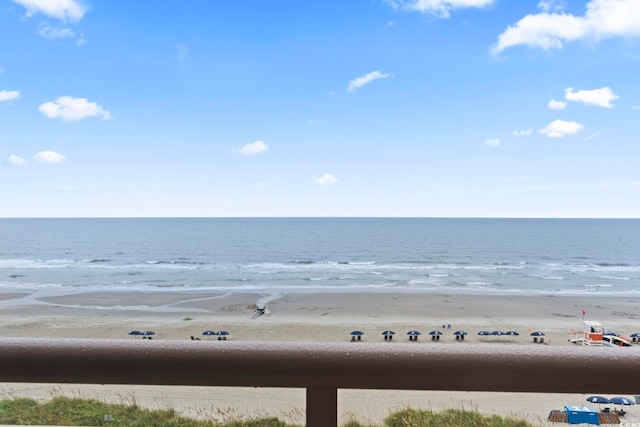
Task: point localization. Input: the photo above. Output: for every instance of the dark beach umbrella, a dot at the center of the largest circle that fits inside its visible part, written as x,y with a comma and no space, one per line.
135,333
537,334
357,333
147,333
209,333
512,333
388,333
598,399
497,333
222,333
612,334
484,333
414,333
635,335
435,332
619,400
459,333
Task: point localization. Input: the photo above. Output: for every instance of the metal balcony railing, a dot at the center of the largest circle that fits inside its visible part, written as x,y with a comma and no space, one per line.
323,368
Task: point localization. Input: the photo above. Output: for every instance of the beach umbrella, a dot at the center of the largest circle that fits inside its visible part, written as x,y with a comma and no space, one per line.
222,333
612,334
414,332
484,333
356,335
497,333
598,399
435,332
147,333
135,333
459,333
537,334
635,335
619,400
209,333
388,335
512,333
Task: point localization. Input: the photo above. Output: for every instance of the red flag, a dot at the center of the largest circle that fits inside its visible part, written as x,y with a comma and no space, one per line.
583,313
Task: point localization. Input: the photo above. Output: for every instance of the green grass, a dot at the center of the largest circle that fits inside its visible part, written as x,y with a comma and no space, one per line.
82,412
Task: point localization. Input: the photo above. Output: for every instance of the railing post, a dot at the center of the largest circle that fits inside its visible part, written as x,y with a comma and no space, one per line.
322,407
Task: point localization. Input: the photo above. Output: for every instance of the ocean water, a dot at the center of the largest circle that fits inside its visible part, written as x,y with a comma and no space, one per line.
276,255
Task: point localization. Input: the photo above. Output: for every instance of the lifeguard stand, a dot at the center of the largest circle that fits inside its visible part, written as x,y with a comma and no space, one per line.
592,333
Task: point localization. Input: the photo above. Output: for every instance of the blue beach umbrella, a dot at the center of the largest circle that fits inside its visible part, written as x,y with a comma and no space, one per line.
537,334
512,333
135,333
388,335
413,332
612,334
484,333
459,333
222,333
147,333
436,332
356,335
209,333
619,400
598,399
635,335
497,333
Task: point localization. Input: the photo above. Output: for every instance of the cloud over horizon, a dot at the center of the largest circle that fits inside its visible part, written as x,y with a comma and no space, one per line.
64,10
69,108
49,157
15,160
439,8
561,128
326,179
9,95
255,147
366,79
599,97
603,19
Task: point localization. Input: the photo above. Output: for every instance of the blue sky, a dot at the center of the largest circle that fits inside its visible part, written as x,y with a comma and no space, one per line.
421,108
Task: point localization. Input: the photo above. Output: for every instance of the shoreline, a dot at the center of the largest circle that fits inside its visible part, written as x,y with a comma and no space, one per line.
319,317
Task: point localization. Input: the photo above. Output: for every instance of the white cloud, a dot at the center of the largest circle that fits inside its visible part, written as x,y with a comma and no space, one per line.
72,109
557,105
366,79
52,33
525,132
603,19
49,157
561,128
635,107
15,160
9,95
494,142
600,97
550,5
325,179
252,148
439,8
64,10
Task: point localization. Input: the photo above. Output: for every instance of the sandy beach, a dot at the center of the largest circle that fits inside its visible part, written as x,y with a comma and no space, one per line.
319,317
